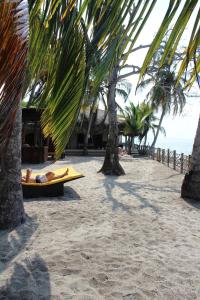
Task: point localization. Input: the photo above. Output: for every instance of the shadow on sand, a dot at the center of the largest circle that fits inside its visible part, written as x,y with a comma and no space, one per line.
69,195
133,189
30,278
128,188
192,202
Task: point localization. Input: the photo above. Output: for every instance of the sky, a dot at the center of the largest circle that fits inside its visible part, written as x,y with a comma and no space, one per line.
182,126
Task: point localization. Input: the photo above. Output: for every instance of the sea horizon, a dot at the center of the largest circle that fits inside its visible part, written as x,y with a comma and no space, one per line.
181,145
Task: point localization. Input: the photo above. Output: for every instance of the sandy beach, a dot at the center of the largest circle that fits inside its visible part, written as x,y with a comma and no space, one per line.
128,237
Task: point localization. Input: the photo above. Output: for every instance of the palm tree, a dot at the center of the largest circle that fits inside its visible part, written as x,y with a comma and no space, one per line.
127,36
137,121
165,94
149,122
191,182
123,89
13,54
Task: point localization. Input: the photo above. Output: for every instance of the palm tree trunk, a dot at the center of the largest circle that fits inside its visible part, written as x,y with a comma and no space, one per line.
191,183
130,144
145,140
158,129
11,204
91,117
111,165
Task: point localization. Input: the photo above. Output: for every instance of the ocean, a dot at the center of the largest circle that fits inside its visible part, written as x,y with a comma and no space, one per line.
181,145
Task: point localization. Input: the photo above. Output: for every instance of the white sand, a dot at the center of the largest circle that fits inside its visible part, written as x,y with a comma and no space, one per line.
128,237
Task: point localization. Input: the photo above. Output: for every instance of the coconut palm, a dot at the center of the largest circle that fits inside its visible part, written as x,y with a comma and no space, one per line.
191,183
13,55
136,121
123,89
127,35
165,94
13,50
149,122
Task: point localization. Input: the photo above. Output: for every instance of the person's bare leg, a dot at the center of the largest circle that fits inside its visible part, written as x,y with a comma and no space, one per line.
28,175
61,176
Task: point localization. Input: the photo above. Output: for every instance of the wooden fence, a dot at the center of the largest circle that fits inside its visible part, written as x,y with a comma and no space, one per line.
172,159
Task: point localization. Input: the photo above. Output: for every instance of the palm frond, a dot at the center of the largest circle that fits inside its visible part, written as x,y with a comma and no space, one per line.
13,53
121,33
123,88
66,63
65,91
173,40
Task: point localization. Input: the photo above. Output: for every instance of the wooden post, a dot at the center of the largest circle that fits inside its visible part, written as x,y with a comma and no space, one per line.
163,156
182,162
152,152
174,159
159,154
149,150
168,156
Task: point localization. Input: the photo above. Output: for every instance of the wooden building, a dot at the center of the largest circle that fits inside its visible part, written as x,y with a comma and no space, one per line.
98,133
36,149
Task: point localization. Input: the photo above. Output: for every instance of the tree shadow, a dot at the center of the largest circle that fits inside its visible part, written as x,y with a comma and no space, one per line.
30,280
129,188
133,189
12,242
109,183
169,177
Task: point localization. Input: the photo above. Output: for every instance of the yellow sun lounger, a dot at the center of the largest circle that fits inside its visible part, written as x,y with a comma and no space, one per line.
51,188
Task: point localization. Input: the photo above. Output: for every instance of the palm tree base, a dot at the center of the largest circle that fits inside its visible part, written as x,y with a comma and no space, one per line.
11,197
112,170
11,207
111,165
191,185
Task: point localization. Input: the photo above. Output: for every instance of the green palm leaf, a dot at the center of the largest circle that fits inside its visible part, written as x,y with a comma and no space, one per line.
174,38
13,54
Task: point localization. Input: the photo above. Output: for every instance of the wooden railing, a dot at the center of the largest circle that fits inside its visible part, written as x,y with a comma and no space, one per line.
172,159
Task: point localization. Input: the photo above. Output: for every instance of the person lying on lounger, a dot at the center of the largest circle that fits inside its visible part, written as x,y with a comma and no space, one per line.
49,176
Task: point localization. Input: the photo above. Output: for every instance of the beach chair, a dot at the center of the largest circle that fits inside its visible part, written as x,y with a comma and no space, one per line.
52,188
